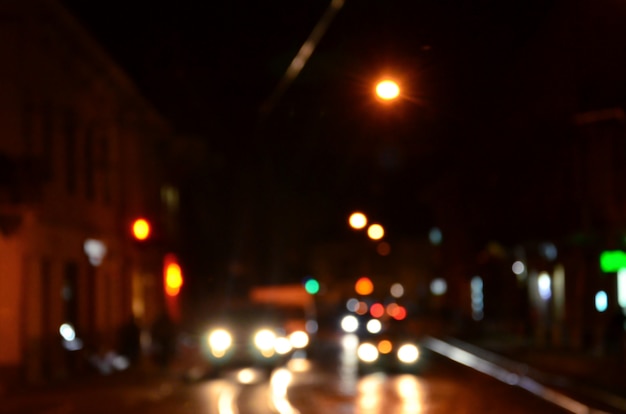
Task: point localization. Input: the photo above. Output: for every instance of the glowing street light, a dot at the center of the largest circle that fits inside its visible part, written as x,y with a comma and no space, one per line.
357,220
375,232
387,90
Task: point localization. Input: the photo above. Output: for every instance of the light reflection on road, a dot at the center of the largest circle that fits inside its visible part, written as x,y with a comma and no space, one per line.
280,381
225,393
227,402
370,393
348,365
377,393
222,395
410,390
383,394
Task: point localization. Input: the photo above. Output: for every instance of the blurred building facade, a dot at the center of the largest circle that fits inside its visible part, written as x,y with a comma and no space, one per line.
81,156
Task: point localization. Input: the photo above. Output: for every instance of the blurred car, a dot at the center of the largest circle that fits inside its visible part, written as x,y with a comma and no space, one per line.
388,354
384,345
253,336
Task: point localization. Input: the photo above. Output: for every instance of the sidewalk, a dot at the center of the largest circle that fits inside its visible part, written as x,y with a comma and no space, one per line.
52,397
593,377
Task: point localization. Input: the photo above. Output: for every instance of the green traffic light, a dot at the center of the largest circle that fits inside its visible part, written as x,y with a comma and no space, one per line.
312,286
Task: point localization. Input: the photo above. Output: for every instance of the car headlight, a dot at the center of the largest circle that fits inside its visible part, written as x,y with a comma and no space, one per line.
299,339
367,352
374,326
282,345
220,340
349,324
408,354
264,340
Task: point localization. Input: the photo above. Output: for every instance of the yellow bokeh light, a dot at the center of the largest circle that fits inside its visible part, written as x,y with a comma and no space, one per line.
173,279
172,275
375,232
141,229
357,220
387,90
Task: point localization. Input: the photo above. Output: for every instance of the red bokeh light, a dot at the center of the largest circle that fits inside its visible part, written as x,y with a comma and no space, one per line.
377,310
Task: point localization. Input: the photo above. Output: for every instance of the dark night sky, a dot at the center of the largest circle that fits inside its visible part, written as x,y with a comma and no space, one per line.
204,65
492,85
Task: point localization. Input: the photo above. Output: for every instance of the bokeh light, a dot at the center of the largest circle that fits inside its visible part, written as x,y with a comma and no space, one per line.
518,267
349,323
400,313
435,236
352,305
364,286
375,232
374,326
312,286
367,352
385,346
377,310
173,276
387,90
383,249
548,250
397,290
357,220
141,229
299,339
602,301
477,298
408,353
544,284
438,286
362,308
392,309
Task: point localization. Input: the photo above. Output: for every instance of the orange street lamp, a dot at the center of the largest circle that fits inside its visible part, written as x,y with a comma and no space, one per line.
357,220
364,286
387,90
375,232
